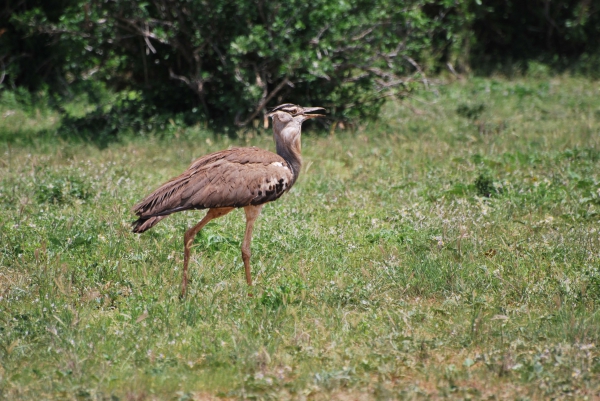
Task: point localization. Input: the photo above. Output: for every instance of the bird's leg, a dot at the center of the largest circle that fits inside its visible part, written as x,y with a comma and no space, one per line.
252,213
188,239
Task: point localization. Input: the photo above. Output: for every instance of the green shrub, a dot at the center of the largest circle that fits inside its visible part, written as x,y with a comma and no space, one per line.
484,185
61,189
223,61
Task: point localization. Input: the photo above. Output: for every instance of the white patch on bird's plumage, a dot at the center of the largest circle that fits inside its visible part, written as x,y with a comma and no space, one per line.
277,164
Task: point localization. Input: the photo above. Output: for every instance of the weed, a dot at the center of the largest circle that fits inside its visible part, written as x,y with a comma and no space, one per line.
58,189
484,185
471,112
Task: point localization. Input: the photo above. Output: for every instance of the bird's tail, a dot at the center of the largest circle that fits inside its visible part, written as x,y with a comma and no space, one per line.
145,223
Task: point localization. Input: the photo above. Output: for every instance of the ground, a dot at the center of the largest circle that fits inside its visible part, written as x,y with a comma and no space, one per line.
449,250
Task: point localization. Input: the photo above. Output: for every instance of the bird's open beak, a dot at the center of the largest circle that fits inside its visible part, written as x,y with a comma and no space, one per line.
308,112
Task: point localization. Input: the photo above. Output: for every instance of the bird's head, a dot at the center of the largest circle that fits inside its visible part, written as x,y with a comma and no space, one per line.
287,113
287,127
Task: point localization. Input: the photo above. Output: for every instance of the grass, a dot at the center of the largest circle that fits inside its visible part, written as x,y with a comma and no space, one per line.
449,250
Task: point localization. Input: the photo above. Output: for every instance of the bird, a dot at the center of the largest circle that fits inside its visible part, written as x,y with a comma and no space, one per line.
241,177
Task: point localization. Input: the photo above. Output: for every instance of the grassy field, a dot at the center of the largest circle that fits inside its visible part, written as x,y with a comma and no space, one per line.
450,250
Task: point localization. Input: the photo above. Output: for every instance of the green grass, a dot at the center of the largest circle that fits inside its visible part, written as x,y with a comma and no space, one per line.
451,249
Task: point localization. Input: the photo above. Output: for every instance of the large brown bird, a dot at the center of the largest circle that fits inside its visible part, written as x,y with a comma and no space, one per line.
229,179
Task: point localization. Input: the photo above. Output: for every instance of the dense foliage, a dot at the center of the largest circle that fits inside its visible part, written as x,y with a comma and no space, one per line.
224,61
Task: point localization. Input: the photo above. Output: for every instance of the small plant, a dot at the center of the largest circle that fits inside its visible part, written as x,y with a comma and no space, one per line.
470,112
62,189
484,185
275,297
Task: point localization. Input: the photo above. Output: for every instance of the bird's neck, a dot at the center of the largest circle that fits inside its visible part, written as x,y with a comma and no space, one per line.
291,151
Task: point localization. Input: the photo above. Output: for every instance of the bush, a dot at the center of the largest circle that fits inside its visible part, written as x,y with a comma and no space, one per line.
224,62
229,60
62,189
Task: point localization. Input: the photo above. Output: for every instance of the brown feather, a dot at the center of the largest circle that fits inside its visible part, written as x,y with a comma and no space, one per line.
143,224
231,178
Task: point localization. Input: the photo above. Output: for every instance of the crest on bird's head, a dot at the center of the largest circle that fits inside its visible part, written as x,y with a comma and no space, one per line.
288,108
295,110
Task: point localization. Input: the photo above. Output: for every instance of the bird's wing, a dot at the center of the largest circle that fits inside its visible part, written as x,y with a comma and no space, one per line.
231,178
